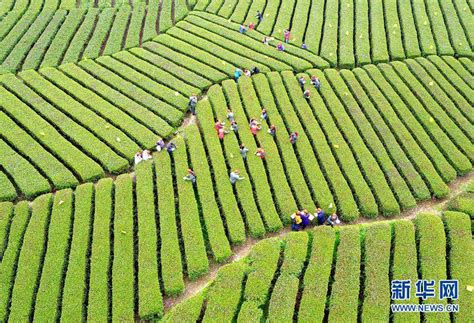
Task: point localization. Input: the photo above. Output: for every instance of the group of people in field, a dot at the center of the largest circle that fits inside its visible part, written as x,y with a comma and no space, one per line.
239,72
301,219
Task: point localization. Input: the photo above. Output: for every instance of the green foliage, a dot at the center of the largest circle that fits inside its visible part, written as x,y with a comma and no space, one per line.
150,303
171,265
74,290
460,263
123,265
54,264
116,33
94,45
344,299
30,260
98,296
81,38
431,256
15,222
317,275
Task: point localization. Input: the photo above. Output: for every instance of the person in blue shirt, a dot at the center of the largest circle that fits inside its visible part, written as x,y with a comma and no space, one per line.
237,74
243,28
320,216
305,221
259,16
333,220
191,176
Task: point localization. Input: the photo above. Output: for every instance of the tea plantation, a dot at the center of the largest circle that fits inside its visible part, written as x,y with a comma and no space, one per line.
86,234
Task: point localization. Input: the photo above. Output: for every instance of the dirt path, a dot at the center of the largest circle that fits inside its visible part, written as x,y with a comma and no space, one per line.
239,252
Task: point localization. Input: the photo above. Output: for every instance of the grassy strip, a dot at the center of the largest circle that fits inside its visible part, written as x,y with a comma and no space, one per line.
117,31
450,116
344,299
437,186
160,91
157,74
378,39
282,301
184,61
228,8
224,294
459,75
74,291
317,275
27,178
455,29
218,242
463,203
7,190
233,217
423,99
165,17
431,256
197,263
214,6
346,34
137,111
16,33
135,130
48,297
362,44
438,28
184,74
99,126
98,296
164,110
149,29
81,38
9,19
465,18
263,262
249,312
347,161
240,11
404,264
393,30
244,188
348,120
314,26
283,19
133,32
329,42
258,5
86,168
150,302
171,264
188,310
58,47
6,215
461,257
401,172
55,170
460,101
376,306
423,26
30,260
36,54
104,24
255,165
253,48
408,29
18,53
123,264
8,265
279,182
299,21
